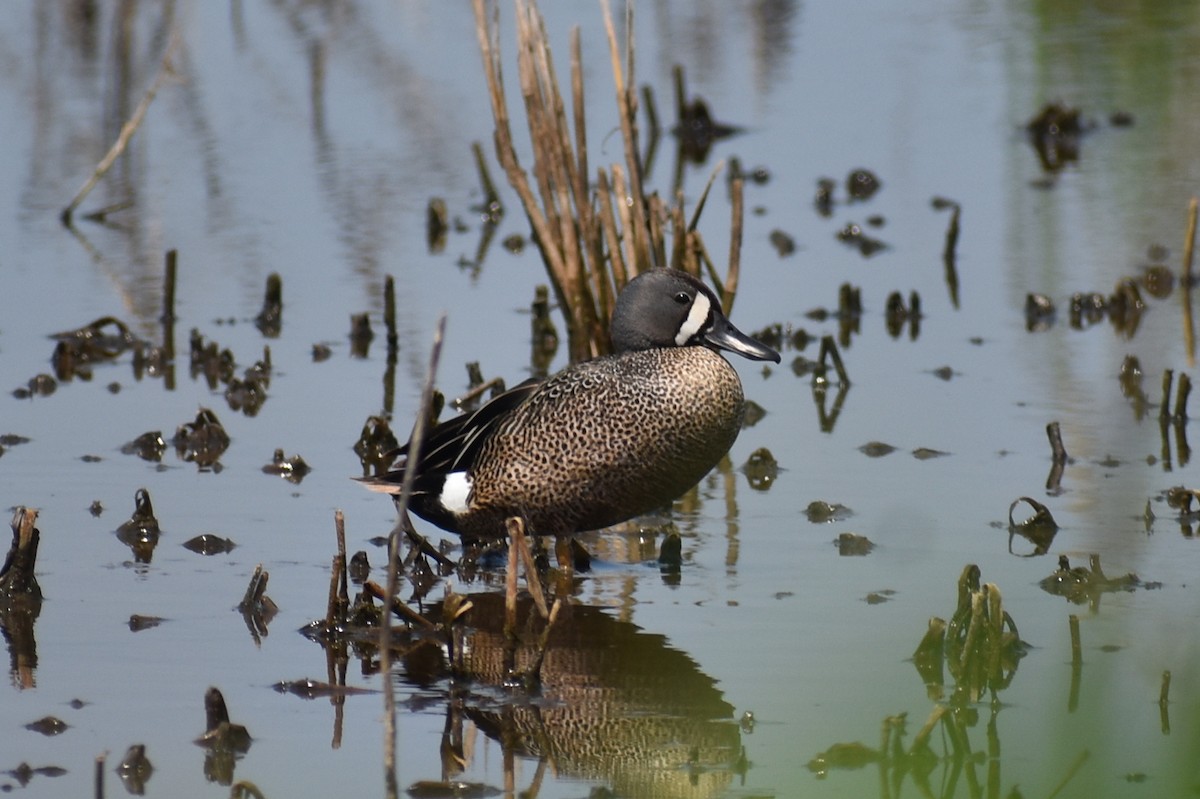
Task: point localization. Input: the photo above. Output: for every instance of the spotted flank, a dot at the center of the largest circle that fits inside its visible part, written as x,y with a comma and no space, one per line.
602,441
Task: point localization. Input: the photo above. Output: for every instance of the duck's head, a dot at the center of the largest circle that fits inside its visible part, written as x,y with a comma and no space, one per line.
667,308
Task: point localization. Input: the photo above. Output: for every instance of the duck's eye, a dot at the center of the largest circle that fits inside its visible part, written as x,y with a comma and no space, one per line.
682,298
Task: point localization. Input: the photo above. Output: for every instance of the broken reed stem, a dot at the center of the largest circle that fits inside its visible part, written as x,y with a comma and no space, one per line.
1164,410
1058,453
1189,248
535,669
737,201
1164,691
1076,647
98,775
168,314
510,606
127,130
389,312
829,350
518,539
1071,772
385,623
477,392
332,616
339,599
1181,396
491,198
398,607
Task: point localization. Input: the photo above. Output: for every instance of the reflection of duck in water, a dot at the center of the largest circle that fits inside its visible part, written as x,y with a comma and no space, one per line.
602,441
617,705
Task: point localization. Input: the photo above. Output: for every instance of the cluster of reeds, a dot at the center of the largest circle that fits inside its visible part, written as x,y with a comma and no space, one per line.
594,233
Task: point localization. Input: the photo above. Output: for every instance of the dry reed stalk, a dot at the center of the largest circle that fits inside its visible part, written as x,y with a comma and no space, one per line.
590,250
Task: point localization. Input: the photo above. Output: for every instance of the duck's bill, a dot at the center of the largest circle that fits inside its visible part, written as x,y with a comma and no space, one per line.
727,337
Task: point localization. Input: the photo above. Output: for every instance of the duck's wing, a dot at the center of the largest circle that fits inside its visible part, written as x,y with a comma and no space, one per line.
452,445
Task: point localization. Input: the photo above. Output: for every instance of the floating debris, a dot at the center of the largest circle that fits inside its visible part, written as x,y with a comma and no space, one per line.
820,512
12,440
209,544
135,770
312,689
1055,133
1083,585
361,335
980,646
436,789
149,446
138,622
292,469
359,568
24,773
761,469
1158,281
925,453
202,440
321,352
257,608
1039,529
696,129
208,359
140,533
945,373
437,224
1039,313
853,545
670,554
876,449
219,732
42,385
855,236
753,415
270,319
784,244
376,445
103,340
1087,308
844,757
862,184
48,726
896,315
19,589
823,200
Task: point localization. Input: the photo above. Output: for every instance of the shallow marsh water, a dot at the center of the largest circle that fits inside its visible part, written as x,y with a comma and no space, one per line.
306,139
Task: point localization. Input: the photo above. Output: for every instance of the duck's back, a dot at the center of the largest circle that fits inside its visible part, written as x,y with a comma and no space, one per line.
607,440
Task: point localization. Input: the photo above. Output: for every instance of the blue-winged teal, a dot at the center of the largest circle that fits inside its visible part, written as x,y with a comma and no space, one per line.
602,441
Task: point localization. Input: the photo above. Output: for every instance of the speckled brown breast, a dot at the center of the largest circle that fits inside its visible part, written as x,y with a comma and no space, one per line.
605,441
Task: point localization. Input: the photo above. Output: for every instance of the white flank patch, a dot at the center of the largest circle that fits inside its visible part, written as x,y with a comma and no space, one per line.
696,318
456,492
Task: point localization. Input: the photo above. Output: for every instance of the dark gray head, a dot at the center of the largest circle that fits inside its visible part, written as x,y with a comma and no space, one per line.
668,308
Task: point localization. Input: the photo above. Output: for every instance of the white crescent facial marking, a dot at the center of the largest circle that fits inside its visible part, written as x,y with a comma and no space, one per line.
696,319
456,492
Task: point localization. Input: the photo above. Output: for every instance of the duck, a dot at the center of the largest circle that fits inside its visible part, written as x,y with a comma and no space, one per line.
601,442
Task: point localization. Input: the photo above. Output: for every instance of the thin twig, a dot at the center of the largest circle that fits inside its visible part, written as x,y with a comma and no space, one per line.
737,194
127,130
518,539
385,624
1189,246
